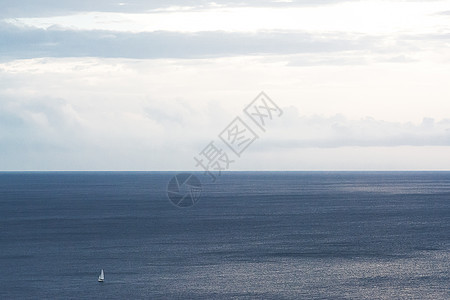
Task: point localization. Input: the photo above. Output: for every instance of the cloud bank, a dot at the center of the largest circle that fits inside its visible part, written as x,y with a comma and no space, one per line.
30,8
61,134
31,42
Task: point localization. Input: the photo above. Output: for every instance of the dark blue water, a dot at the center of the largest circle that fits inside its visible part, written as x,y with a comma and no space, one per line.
265,235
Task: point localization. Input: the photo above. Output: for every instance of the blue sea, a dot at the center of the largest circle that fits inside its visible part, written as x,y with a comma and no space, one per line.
251,235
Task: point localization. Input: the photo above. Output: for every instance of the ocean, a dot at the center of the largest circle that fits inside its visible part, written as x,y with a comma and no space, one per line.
250,235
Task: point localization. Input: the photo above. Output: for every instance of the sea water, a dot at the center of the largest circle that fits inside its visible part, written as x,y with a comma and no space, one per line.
251,235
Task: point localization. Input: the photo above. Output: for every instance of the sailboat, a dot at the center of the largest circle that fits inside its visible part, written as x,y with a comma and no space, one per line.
101,278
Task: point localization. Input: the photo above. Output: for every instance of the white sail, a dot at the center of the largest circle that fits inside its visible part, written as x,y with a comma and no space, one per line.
102,276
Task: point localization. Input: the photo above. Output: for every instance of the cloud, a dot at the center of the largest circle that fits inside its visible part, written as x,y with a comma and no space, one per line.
37,125
45,133
296,131
444,13
26,42
336,59
31,8
56,134
329,48
426,37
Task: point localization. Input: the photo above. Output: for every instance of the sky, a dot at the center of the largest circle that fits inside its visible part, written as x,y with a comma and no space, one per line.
148,85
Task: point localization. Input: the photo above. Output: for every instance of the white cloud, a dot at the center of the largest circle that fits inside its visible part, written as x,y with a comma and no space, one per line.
369,17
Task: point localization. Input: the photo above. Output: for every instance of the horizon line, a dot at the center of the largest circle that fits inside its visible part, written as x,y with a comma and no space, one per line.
197,171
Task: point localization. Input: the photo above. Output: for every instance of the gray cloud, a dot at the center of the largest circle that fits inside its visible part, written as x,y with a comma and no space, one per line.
19,42
425,37
335,60
338,131
39,124
444,13
32,8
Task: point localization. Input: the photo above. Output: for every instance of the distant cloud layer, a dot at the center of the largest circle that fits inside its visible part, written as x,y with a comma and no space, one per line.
339,131
31,8
43,124
31,42
27,42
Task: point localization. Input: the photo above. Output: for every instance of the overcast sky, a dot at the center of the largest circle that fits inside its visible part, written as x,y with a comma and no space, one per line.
147,85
